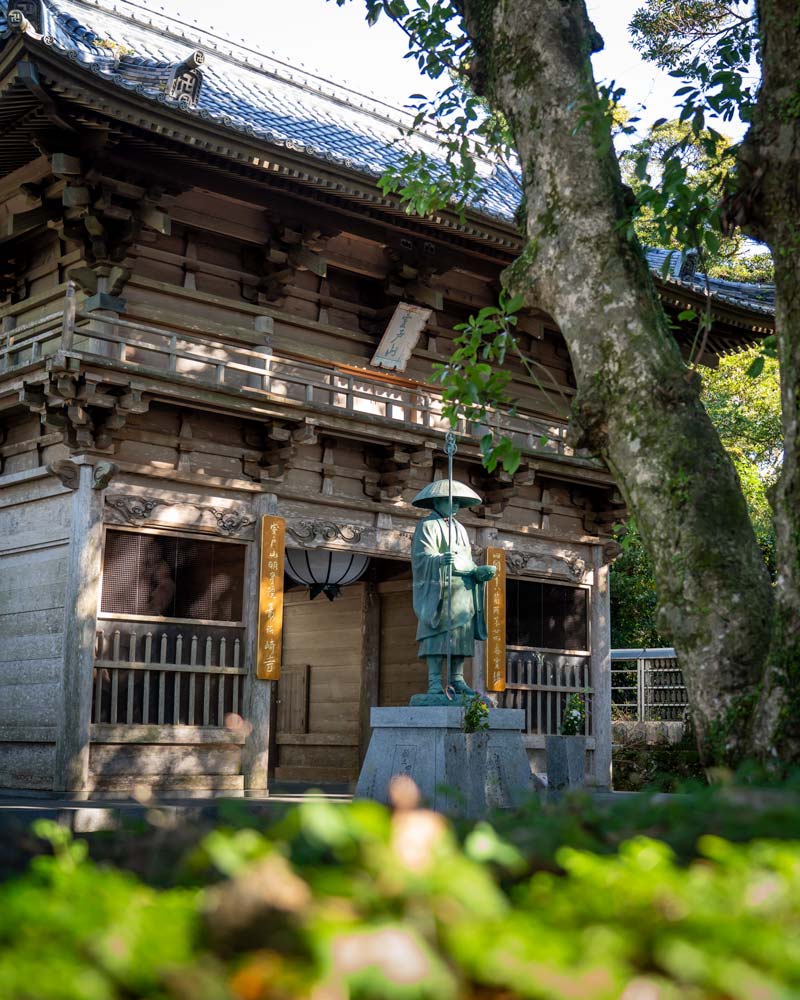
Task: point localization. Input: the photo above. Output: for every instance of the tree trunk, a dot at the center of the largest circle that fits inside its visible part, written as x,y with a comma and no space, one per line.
767,204
637,405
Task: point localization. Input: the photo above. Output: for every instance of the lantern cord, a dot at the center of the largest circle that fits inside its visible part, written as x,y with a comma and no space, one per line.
450,448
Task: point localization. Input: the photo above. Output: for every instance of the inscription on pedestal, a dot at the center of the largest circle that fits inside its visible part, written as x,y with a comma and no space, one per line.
403,760
497,796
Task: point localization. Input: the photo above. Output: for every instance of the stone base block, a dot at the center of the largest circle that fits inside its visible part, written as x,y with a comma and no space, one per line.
456,772
566,762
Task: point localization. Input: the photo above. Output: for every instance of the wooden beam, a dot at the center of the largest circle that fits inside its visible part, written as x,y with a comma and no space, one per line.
370,660
161,735
600,632
476,259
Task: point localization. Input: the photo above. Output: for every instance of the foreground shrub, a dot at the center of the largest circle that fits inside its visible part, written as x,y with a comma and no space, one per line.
350,901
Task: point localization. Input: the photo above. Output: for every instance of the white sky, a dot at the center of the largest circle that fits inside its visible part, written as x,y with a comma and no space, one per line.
337,42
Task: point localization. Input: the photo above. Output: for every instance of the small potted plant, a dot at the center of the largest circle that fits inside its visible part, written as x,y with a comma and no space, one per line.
566,752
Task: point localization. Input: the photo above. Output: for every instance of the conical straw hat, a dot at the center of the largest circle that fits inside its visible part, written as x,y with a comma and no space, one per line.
466,496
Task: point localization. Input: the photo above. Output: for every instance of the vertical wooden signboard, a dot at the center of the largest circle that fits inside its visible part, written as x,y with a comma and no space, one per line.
401,337
270,598
496,622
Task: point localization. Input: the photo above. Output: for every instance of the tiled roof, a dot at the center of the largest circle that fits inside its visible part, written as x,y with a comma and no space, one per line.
680,271
135,46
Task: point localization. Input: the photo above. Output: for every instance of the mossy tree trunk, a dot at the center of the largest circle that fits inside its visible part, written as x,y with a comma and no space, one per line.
767,204
637,404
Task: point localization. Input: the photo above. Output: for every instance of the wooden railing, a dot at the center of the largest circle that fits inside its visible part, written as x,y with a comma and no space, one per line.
541,683
183,353
150,674
30,341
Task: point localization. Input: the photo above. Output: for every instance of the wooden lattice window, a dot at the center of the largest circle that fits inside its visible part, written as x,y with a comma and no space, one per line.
547,616
161,576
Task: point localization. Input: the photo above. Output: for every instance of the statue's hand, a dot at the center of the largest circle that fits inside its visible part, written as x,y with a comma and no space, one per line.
484,573
447,558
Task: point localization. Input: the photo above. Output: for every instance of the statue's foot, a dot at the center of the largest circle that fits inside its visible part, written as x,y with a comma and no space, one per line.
460,687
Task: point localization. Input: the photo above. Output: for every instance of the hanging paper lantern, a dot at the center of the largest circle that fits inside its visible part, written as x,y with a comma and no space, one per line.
325,571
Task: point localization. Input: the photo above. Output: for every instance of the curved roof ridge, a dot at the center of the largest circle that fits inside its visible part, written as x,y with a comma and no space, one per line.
132,46
759,297
242,54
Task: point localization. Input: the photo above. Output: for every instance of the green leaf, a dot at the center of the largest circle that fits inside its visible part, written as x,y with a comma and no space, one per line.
756,367
711,241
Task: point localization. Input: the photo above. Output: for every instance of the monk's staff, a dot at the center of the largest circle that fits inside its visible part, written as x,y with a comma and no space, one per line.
450,448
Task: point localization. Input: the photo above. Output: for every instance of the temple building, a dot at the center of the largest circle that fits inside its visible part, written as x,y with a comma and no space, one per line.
211,314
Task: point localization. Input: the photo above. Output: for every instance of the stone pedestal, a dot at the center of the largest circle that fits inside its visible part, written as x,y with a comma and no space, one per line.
566,762
456,772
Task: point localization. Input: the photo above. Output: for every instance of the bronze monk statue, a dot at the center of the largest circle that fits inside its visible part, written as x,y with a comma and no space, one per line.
448,621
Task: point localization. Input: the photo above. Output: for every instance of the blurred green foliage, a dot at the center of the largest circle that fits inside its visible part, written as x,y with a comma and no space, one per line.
585,898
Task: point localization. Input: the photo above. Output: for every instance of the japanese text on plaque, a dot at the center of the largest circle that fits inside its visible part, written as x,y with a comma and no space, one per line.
496,622
270,598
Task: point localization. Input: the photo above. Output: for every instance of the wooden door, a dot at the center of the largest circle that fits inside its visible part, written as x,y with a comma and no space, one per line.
317,726
402,673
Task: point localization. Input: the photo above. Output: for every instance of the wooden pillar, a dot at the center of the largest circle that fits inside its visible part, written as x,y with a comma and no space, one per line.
258,694
80,627
485,538
370,659
601,668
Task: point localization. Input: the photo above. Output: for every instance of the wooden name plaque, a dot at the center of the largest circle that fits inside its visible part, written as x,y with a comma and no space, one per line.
496,622
401,336
270,598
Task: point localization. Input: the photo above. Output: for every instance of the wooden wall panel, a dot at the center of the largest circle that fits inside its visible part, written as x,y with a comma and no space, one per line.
27,765
34,533
114,760
27,704
402,673
322,640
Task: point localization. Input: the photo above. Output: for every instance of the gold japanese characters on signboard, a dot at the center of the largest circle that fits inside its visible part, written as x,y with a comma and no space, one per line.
496,622
270,598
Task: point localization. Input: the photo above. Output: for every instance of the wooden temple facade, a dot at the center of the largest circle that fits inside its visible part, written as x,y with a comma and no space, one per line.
192,301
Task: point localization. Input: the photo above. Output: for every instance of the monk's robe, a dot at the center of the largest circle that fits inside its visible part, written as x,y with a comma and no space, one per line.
468,620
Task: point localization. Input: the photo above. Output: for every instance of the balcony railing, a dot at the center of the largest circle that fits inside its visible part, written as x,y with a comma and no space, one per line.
172,348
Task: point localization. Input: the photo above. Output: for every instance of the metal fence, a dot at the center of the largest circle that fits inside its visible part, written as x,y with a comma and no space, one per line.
647,685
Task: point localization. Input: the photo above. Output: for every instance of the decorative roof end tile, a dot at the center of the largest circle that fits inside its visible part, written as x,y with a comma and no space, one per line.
24,15
186,80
